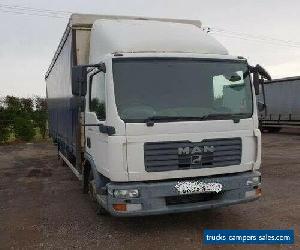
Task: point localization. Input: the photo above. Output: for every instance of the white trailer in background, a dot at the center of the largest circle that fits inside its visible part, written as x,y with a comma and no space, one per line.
283,104
154,116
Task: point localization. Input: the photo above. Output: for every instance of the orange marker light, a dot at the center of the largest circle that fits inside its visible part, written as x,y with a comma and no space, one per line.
258,192
120,207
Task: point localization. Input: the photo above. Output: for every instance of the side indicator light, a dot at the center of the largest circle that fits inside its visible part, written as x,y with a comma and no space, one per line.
120,207
258,192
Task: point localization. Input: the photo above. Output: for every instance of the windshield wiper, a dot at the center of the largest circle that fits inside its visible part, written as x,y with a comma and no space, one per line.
235,117
150,121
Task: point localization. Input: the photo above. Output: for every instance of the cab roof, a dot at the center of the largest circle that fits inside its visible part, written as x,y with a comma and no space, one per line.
154,36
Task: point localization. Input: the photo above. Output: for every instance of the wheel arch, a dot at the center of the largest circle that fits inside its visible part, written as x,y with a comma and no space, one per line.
89,166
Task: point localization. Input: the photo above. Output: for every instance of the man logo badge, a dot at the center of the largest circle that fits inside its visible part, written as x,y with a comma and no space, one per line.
195,153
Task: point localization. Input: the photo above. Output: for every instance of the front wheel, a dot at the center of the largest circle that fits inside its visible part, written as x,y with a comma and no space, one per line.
93,194
92,187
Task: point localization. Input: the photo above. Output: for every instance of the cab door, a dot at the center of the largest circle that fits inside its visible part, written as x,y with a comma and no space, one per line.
96,143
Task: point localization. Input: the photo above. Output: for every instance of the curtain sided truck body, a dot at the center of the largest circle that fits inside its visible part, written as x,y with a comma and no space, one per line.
154,116
283,105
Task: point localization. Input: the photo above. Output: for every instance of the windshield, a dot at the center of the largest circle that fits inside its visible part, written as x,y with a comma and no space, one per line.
181,88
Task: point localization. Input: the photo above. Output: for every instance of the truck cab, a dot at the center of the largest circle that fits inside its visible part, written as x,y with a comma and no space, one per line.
169,121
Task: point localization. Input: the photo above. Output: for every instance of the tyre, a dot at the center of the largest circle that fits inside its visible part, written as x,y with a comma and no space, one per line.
93,194
273,129
92,187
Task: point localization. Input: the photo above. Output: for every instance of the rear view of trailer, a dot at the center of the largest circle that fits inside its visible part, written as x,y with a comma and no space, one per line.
283,104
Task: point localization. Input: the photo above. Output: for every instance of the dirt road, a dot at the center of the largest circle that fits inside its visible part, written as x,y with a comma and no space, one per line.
41,205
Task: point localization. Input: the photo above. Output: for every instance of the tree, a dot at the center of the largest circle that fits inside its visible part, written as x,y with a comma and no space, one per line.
24,128
5,125
26,105
19,113
12,104
40,115
21,116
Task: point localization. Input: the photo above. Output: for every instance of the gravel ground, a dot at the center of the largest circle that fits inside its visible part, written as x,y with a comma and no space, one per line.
41,205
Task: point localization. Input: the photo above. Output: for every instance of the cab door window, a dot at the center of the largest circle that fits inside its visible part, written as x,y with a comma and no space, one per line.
97,96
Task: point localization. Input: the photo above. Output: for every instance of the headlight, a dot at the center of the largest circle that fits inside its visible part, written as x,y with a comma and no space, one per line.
256,179
123,193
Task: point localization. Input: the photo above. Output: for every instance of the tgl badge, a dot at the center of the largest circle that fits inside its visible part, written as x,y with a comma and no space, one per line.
196,159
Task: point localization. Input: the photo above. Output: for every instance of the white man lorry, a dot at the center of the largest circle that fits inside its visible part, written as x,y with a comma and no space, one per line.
154,116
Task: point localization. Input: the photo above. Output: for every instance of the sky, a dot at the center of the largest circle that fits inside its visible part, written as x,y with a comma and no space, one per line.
28,42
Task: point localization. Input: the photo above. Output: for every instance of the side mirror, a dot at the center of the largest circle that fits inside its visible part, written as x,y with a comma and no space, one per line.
256,82
79,80
261,106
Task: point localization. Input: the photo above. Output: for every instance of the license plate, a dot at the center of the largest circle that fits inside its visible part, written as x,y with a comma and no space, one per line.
197,187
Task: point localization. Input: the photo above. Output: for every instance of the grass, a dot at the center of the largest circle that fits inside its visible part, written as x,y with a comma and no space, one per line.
37,138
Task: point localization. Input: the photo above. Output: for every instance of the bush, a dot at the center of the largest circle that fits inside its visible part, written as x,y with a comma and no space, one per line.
24,129
4,133
5,125
40,116
22,118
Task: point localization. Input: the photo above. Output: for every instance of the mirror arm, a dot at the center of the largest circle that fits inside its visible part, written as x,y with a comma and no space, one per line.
263,72
100,66
79,77
251,69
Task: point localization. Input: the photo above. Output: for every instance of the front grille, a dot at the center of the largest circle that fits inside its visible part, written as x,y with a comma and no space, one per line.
192,198
177,155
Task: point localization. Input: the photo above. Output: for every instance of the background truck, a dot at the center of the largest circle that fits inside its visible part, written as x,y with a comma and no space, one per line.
283,109
154,116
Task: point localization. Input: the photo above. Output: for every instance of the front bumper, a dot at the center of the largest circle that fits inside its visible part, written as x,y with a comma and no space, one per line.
154,196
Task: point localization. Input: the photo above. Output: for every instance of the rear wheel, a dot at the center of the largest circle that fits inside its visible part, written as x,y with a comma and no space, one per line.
273,129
